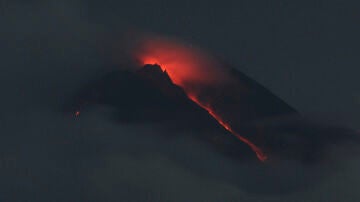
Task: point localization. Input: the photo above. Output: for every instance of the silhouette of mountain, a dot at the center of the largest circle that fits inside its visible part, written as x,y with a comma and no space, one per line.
149,95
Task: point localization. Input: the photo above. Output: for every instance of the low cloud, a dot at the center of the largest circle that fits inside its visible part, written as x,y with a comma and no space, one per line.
50,50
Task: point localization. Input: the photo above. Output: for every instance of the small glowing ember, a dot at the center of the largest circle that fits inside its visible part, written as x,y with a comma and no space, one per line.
77,113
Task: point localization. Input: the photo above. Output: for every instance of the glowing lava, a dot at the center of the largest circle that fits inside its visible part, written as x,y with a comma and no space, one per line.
177,78
190,69
186,65
261,156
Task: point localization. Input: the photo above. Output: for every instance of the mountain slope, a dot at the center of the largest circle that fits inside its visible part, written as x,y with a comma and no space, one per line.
149,95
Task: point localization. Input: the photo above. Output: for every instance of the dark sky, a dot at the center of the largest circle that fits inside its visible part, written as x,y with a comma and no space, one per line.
306,52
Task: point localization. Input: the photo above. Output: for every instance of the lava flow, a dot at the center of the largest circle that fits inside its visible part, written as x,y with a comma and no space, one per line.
189,68
259,153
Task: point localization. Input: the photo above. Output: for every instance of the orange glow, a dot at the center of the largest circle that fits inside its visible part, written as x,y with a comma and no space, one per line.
261,156
185,64
188,67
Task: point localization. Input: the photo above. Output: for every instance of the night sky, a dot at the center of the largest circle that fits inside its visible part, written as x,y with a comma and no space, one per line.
306,52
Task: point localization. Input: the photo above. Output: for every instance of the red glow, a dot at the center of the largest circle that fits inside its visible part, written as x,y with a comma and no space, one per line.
184,64
261,156
188,67
77,113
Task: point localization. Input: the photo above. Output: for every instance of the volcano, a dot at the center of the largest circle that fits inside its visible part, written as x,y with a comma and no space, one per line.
242,119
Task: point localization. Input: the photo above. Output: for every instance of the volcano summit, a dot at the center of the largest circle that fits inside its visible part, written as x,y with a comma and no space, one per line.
233,116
